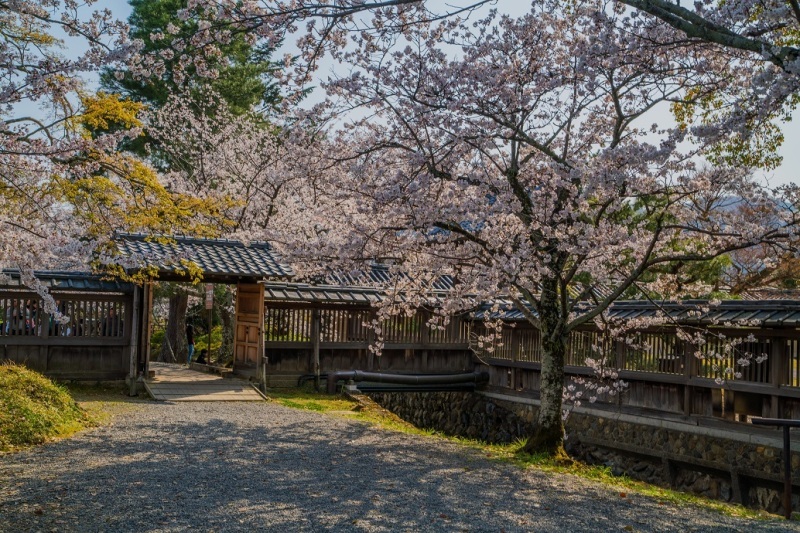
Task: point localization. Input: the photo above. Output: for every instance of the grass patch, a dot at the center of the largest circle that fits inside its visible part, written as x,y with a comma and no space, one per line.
312,401
379,417
624,484
103,402
34,410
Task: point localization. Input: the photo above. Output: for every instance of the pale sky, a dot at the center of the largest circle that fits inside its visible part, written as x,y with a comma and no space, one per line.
786,173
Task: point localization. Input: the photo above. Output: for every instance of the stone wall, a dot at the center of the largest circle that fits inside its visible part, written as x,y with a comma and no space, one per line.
718,463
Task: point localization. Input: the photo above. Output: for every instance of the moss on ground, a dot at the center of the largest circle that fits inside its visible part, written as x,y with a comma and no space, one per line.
34,410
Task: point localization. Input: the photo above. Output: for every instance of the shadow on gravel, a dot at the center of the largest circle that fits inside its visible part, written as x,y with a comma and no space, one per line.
289,473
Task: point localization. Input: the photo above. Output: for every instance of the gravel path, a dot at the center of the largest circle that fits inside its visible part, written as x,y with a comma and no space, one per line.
262,467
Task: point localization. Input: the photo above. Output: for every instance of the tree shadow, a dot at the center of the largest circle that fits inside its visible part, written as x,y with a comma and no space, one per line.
278,469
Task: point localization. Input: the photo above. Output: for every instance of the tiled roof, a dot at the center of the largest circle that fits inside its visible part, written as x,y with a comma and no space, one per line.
328,293
377,274
68,281
771,294
304,293
771,313
216,257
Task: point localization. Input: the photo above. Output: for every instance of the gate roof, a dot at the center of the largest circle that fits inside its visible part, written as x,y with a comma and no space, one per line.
220,260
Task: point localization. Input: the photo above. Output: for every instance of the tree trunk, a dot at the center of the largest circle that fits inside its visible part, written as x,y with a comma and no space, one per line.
173,348
226,314
548,437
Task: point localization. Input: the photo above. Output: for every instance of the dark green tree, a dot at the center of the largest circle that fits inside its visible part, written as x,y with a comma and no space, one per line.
245,72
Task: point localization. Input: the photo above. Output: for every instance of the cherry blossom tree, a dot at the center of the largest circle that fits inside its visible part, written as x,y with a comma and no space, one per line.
531,167
742,122
213,153
251,170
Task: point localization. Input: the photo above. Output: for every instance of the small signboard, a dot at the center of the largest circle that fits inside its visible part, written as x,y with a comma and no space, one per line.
209,295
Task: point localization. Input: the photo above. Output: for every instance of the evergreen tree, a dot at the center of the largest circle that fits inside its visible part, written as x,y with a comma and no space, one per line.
244,70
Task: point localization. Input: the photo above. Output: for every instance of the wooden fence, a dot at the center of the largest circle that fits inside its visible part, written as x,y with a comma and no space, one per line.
667,373
90,341
663,371
345,334
352,326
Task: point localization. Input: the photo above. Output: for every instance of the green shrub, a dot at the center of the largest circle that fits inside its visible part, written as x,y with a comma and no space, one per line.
201,341
33,409
155,341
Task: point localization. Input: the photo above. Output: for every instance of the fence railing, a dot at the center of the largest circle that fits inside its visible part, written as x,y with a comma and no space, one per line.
732,356
293,325
287,325
84,316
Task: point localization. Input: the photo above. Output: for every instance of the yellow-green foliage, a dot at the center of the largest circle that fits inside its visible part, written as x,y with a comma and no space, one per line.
125,192
33,409
103,110
756,146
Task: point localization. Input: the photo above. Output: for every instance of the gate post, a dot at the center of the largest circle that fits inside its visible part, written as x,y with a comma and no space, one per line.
315,338
133,343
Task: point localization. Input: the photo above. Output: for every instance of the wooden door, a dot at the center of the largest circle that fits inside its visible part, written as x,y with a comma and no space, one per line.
249,326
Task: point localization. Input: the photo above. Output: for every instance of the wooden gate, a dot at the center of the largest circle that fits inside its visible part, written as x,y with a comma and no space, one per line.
249,339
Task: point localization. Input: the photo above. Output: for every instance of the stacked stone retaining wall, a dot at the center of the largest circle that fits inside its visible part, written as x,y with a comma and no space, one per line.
718,463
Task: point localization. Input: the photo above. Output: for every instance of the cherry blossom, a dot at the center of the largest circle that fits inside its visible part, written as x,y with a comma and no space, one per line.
526,167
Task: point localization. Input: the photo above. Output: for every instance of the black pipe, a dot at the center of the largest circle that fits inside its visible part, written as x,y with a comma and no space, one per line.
404,379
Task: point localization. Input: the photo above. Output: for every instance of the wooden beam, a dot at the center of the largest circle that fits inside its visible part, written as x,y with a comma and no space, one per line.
134,340
315,339
778,366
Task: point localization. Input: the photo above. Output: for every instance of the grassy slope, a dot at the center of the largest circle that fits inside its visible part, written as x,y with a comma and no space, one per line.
34,410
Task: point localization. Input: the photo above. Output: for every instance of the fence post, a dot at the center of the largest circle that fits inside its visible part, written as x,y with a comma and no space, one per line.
315,338
787,458
688,372
777,366
619,349
134,340
513,341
